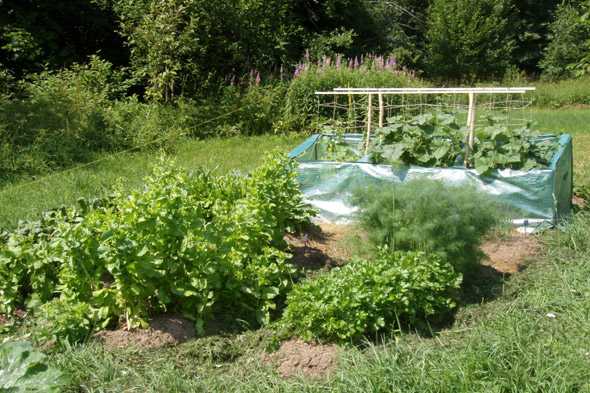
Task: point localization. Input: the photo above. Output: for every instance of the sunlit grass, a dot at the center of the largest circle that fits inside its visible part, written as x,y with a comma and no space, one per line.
28,198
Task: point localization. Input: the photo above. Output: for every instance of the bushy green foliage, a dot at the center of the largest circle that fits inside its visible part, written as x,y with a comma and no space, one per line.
24,369
366,297
182,47
427,215
301,103
499,147
429,139
469,40
436,140
67,117
64,322
568,45
197,244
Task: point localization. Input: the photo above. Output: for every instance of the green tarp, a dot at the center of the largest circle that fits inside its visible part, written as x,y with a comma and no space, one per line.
542,196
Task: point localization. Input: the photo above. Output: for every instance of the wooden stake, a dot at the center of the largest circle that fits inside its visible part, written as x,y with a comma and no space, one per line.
369,120
381,110
470,129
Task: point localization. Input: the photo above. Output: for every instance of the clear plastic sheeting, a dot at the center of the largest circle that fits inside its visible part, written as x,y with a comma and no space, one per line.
540,196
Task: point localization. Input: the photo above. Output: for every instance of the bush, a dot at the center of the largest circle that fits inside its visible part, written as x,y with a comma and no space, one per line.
568,42
195,244
367,297
67,117
301,103
448,221
469,40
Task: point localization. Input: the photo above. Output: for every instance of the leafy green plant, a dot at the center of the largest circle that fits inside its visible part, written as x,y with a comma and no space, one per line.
430,139
468,40
427,215
23,369
366,297
499,147
64,322
436,140
193,243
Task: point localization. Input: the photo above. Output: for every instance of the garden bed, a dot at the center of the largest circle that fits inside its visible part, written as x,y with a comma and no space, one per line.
540,196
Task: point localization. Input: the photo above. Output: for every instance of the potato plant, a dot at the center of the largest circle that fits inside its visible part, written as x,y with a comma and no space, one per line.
192,243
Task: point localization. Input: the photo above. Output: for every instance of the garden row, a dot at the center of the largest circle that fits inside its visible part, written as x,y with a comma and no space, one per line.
207,246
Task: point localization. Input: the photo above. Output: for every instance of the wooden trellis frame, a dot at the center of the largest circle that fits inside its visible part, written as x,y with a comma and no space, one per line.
471,93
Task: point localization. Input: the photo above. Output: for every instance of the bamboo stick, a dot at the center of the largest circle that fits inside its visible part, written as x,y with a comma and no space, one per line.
369,121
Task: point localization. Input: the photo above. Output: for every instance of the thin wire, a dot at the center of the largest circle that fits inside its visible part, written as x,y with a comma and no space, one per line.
110,156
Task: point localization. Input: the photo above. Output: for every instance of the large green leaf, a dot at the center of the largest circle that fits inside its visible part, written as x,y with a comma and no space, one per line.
23,369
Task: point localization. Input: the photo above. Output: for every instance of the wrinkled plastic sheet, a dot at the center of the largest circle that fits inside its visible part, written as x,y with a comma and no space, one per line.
540,196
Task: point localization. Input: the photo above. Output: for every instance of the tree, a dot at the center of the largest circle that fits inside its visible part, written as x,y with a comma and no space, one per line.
569,36
469,39
56,33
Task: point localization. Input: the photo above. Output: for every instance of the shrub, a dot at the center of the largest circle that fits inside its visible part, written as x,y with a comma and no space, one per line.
67,117
448,221
568,42
301,103
469,40
196,244
367,297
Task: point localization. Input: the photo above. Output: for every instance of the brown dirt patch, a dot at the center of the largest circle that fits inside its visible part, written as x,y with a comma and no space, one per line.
509,254
579,202
296,357
164,330
321,246
3,320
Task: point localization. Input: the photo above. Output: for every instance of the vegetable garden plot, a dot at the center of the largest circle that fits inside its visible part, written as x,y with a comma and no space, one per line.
529,172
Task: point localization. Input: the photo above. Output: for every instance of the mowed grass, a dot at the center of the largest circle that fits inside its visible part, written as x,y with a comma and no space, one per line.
575,122
27,199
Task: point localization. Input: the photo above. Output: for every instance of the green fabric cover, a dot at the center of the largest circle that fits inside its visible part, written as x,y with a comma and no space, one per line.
543,196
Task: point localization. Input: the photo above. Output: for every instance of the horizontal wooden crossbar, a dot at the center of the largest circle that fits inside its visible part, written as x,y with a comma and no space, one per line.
426,90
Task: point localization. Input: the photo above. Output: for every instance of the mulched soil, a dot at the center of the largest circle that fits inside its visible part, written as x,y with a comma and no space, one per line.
296,357
164,330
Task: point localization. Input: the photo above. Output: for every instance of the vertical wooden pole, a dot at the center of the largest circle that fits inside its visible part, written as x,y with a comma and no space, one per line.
369,121
335,105
381,110
469,140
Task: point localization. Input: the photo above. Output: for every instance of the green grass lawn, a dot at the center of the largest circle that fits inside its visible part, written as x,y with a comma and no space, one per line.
28,199
533,337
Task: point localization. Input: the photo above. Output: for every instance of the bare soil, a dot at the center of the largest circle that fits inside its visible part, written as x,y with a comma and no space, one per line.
3,320
510,254
164,330
296,357
579,202
321,247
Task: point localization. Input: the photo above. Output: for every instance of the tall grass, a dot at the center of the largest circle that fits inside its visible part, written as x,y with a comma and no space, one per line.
569,92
